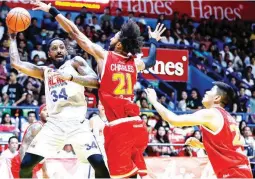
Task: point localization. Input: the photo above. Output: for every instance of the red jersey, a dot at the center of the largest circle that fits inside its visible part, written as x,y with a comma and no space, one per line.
224,147
118,78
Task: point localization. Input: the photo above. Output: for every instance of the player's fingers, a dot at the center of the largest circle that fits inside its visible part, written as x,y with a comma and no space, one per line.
36,8
161,27
157,26
162,31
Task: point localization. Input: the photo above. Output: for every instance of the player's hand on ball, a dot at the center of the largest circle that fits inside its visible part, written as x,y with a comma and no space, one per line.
151,95
157,32
193,142
41,6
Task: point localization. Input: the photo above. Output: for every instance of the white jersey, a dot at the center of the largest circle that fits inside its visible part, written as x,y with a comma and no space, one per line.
65,99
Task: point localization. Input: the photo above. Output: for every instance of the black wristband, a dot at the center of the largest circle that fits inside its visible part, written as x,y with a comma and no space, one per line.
153,41
54,12
71,79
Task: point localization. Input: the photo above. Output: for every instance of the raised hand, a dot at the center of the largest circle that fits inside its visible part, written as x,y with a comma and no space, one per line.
151,95
41,6
157,32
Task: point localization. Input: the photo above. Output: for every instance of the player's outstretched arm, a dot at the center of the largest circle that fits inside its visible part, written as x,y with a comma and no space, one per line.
155,36
85,43
205,117
25,67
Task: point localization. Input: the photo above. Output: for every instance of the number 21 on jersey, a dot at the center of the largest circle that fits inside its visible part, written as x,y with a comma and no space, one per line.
237,139
125,84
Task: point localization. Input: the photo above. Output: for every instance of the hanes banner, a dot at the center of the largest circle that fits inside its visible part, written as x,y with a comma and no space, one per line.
171,65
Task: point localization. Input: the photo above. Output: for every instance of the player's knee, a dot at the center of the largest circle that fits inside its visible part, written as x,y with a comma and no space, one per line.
97,162
29,161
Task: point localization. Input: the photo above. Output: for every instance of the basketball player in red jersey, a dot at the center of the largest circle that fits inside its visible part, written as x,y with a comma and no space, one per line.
29,135
221,135
126,135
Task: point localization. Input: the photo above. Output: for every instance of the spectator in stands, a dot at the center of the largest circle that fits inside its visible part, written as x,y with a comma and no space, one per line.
248,79
177,31
167,39
162,137
7,125
162,100
199,152
162,20
107,28
4,9
226,50
194,103
4,48
242,124
249,141
242,101
251,108
118,20
49,23
131,15
162,123
15,91
95,23
106,16
31,118
238,63
32,30
102,41
12,150
145,107
3,73
253,65
82,16
39,51
5,103
182,105
92,100
22,47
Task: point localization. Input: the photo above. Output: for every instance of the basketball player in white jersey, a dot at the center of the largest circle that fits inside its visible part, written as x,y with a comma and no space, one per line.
66,108
97,124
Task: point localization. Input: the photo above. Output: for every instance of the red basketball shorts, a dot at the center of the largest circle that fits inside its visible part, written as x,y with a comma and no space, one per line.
125,143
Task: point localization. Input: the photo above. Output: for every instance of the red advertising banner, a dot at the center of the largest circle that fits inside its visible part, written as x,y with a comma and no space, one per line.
171,65
196,9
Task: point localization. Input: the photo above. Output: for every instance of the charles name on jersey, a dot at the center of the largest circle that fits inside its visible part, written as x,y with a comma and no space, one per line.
119,67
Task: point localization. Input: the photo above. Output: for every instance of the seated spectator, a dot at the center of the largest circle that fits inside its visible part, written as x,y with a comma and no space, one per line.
38,51
145,107
3,73
162,137
92,100
194,103
248,79
7,125
242,124
186,151
4,48
251,108
238,63
12,150
118,20
226,50
162,123
4,103
167,39
199,152
95,23
249,142
23,51
102,41
242,101
107,28
182,40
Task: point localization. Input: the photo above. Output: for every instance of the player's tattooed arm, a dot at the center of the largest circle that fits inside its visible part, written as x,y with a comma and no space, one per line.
85,43
155,36
24,67
32,131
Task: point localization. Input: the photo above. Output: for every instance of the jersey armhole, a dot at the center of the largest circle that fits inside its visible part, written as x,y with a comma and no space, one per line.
221,125
104,64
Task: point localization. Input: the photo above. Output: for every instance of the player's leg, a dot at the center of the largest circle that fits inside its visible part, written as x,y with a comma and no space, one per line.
118,147
28,163
86,148
45,144
142,138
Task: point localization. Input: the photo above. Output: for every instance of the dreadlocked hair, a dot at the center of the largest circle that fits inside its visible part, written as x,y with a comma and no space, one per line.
130,38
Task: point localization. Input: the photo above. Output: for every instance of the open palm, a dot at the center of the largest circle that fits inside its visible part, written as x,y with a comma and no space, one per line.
41,6
156,34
